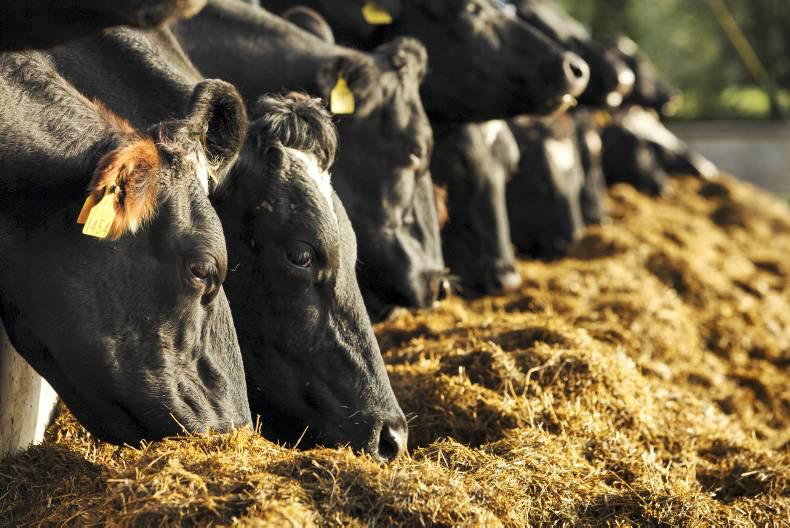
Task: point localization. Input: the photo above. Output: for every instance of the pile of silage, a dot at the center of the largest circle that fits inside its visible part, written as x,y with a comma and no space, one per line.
644,380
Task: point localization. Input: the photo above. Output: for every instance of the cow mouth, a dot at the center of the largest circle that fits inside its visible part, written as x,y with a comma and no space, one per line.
380,311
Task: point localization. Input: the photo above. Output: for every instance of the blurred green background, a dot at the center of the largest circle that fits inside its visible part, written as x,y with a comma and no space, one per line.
686,41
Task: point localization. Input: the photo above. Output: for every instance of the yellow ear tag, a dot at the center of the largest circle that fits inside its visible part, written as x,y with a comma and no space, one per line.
101,217
341,100
90,203
375,15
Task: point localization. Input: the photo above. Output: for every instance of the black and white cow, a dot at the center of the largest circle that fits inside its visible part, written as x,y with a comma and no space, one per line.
485,62
474,163
311,359
638,149
133,330
650,89
610,78
641,118
28,24
382,171
544,195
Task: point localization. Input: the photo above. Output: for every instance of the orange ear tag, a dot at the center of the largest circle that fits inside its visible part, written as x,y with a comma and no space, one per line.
101,216
341,99
375,15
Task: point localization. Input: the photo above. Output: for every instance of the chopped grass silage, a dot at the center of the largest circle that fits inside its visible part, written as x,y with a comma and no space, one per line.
644,380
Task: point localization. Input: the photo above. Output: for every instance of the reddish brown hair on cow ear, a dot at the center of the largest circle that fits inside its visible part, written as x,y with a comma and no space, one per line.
440,195
131,172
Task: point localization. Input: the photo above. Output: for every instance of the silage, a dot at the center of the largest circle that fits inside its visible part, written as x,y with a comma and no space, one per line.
642,381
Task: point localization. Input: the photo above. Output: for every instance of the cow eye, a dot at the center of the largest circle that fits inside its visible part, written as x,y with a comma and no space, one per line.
206,273
299,255
202,270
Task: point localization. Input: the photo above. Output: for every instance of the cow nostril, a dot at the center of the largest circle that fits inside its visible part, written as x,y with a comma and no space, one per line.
392,440
577,73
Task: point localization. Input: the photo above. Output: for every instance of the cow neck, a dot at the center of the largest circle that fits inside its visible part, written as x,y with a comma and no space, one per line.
131,58
268,53
68,127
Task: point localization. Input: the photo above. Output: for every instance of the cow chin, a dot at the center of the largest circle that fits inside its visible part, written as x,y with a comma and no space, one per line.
381,303
320,406
378,309
113,422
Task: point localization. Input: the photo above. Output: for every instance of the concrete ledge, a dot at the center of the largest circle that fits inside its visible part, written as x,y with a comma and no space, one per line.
758,152
26,401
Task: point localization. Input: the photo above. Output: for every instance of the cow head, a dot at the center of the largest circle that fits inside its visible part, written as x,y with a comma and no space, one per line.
650,91
312,361
474,163
147,13
485,62
629,158
610,78
134,331
384,180
670,153
543,196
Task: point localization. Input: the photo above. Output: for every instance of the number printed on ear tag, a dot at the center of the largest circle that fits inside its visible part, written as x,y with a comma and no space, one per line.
375,15
101,218
342,98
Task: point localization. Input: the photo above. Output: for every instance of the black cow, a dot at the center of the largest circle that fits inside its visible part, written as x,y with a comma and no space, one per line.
474,163
310,355
44,23
543,197
610,77
485,62
381,173
133,331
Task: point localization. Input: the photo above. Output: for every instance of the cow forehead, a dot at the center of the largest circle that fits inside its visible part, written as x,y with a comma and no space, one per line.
321,178
562,153
201,168
491,131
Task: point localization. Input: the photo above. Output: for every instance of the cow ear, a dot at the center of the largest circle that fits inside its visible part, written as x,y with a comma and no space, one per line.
406,55
360,74
217,112
310,21
129,177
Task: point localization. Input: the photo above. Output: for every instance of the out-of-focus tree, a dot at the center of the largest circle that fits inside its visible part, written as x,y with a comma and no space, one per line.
688,44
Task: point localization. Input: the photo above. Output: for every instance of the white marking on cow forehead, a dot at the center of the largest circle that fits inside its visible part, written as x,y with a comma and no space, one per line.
322,179
594,143
562,153
201,168
491,130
